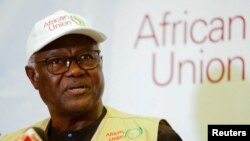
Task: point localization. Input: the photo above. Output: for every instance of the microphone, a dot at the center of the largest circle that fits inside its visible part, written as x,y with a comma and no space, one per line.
34,134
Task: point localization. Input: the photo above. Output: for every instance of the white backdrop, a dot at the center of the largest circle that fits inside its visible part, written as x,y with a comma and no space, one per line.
185,61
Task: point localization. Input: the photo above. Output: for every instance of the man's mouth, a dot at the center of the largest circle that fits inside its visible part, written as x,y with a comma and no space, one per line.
77,90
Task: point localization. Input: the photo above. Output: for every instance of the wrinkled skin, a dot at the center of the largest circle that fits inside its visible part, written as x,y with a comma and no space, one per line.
74,97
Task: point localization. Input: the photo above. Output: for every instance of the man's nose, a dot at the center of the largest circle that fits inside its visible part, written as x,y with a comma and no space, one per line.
74,69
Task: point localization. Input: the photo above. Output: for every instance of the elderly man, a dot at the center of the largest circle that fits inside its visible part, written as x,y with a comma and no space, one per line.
64,64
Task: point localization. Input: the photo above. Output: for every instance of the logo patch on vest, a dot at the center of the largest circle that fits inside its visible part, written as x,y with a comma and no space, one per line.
131,134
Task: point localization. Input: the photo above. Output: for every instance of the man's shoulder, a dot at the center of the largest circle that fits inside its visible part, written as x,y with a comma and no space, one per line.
119,116
158,127
16,134
112,112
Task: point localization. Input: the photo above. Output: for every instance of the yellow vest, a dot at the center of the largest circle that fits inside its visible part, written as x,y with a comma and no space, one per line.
115,126
118,126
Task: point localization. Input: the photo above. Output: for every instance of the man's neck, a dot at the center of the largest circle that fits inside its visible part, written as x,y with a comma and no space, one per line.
71,122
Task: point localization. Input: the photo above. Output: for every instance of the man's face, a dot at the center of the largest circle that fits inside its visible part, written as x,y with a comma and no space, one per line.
76,90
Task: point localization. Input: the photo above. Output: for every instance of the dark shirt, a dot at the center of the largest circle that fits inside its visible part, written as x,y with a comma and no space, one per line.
165,132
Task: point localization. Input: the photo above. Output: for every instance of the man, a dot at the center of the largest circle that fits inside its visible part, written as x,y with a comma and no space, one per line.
65,65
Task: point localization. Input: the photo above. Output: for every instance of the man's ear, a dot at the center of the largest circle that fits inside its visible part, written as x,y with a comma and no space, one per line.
33,76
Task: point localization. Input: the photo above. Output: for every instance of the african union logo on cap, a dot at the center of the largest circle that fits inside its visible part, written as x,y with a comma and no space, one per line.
77,20
134,133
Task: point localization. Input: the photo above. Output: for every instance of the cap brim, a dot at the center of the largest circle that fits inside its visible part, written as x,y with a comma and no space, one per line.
94,34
